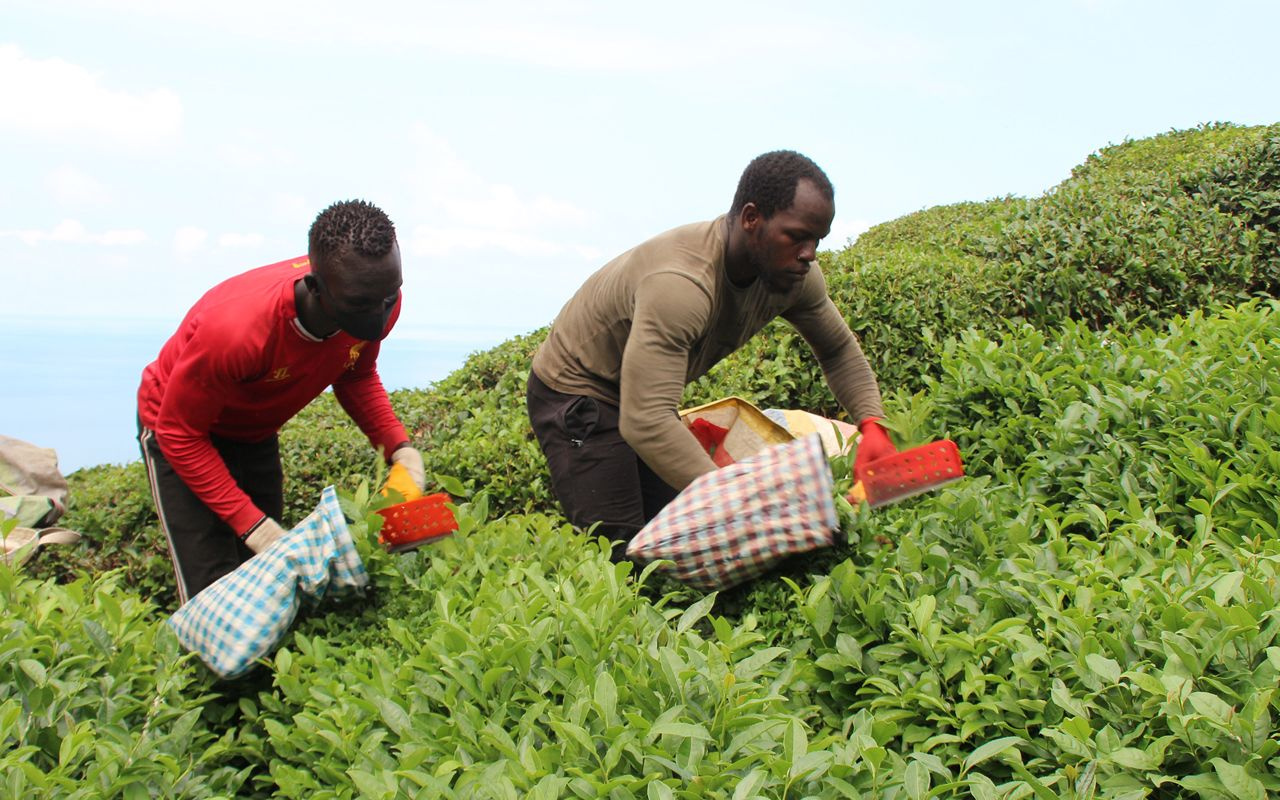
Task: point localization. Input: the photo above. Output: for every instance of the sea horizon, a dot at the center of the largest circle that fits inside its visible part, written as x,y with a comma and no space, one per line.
71,384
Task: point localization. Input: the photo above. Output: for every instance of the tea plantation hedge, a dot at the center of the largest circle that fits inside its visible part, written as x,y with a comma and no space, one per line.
1140,231
1091,613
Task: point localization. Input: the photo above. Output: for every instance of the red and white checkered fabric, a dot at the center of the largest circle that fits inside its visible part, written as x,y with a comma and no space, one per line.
732,524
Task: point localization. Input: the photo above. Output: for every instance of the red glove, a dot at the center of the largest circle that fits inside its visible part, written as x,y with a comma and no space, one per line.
873,445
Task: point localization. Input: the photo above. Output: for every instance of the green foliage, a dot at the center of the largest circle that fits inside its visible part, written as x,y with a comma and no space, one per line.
1175,152
963,228
1150,229
111,506
1101,591
472,425
1246,185
514,659
1138,252
1140,232
96,700
1092,613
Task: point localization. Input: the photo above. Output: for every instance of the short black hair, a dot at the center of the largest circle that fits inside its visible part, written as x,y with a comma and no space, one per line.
354,224
770,181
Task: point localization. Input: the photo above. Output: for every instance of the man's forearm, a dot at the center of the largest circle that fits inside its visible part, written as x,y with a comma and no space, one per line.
666,445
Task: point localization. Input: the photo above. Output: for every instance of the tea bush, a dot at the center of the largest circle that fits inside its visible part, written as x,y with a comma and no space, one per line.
111,506
1140,231
515,660
1100,593
1091,613
95,699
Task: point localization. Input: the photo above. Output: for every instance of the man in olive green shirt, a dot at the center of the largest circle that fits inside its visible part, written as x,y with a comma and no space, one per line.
605,386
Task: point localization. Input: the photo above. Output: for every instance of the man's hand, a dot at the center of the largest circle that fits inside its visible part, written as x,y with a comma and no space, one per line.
409,458
260,536
873,445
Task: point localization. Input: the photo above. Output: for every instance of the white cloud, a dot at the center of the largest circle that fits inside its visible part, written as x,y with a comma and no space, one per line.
188,239
241,240
71,231
559,34
844,232
293,210
251,150
71,186
468,212
477,203
53,96
120,237
433,242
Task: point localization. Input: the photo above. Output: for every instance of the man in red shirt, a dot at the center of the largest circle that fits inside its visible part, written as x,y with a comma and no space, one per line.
248,356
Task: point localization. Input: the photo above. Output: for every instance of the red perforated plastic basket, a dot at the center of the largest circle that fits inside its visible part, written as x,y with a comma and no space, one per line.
417,522
911,472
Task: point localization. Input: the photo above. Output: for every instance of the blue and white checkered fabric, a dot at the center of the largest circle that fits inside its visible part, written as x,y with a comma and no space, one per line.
734,523
242,617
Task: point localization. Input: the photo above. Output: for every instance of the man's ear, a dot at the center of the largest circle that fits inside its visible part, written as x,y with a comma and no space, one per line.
312,283
750,217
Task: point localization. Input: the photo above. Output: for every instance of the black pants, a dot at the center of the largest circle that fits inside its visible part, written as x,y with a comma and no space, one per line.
595,474
202,547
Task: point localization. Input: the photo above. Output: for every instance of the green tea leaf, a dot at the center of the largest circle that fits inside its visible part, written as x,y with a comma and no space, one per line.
797,742
916,780
1062,698
1104,667
981,787
451,485
395,716
1238,781
657,790
606,696
370,785
34,670
683,730
1133,758
748,786
988,750
695,612
1211,706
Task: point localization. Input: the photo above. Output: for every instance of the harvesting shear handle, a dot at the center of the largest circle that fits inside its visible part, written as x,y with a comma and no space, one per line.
857,495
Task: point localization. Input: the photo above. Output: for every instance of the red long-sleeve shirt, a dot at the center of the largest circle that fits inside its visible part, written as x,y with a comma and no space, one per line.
241,366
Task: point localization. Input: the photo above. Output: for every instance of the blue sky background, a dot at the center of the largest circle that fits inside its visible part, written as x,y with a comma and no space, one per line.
149,149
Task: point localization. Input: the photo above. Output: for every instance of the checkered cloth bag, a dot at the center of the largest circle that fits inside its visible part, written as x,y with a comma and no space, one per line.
245,613
732,524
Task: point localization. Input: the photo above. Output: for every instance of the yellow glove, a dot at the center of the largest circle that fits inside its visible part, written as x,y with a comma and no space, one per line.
399,479
857,495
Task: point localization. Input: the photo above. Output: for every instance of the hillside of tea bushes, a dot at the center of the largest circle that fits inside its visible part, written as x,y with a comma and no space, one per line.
1092,613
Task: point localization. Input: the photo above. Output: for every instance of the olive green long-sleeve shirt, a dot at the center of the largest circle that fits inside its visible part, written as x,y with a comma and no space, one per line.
660,315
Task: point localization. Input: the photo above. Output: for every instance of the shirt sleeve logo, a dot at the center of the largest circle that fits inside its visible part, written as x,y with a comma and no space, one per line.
353,355
279,374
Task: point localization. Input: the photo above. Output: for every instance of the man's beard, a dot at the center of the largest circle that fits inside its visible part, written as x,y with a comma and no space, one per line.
765,276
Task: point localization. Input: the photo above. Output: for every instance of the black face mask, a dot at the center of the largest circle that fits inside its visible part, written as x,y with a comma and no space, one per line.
369,326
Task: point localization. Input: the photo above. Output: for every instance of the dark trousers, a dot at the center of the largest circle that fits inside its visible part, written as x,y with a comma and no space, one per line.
202,547
595,474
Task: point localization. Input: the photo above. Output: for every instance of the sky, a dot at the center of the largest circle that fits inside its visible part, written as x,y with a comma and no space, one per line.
149,149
